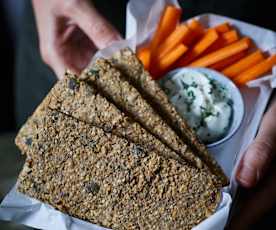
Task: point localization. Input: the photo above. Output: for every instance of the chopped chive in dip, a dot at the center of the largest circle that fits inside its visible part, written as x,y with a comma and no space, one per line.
202,101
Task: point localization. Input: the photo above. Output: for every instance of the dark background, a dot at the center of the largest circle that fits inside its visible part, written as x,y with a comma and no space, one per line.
7,120
20,59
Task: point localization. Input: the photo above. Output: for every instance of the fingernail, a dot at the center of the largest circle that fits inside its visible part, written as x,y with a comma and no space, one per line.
246,175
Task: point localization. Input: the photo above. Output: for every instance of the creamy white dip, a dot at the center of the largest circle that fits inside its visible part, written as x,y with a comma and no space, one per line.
204,103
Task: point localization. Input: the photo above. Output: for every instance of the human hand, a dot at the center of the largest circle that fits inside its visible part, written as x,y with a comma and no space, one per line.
261,152
70,32
257,174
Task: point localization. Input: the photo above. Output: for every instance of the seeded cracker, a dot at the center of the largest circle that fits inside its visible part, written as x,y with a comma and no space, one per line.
126,61
112,84
24,138
98,177
84,103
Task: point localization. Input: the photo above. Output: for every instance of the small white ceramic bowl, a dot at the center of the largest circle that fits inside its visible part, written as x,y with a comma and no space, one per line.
238,103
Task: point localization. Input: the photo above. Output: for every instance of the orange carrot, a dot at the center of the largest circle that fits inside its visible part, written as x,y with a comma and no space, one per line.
228,61
206,41
166,25
256,71
222,53
224,40
197,31
223,27
196,26
144,56
174,39
244,64
165,62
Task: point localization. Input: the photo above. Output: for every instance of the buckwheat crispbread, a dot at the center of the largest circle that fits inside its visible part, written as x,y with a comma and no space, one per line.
23,138
112,84
83,102
127,62
96,176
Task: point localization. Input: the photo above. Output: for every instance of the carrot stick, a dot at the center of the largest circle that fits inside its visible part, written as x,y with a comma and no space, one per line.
174,39
256,71
230,36
206,41
223,27
196,26
224,40
228,61
165,62
244,64
222,53
166,25
197,31
144,56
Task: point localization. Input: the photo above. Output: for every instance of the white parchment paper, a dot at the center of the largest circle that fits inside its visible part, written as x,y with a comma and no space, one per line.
142,18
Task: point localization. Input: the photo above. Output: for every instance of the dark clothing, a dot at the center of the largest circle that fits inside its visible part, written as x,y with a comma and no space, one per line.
34,79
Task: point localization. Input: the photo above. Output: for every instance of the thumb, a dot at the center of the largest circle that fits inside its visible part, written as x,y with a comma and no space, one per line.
262,151
93,24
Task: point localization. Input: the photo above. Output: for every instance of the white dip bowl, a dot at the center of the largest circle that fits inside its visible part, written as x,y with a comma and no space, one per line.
238,109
